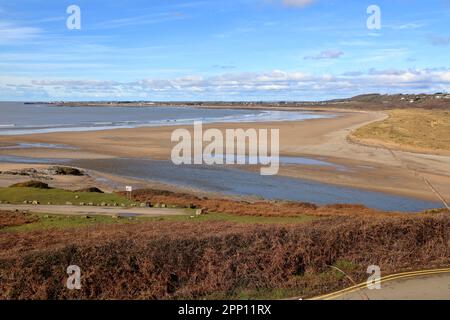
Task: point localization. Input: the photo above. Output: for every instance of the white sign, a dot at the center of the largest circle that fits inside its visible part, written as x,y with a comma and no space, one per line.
129,188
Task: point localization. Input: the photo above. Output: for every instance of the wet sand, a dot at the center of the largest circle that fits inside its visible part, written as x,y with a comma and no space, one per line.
369,168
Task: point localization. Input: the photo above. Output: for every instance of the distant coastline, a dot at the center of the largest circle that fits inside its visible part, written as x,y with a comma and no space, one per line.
47,118
361,102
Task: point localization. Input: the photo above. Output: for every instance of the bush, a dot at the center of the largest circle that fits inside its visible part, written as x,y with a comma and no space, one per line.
66,171
175,260
91,189
31,184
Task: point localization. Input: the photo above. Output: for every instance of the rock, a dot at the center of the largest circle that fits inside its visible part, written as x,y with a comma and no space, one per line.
68,203
163,205
115,217
25,202
49,203
143,205
103,204
91,189
35,202
77,196
82,204
133,205
30,184
90,204
65,171
198,212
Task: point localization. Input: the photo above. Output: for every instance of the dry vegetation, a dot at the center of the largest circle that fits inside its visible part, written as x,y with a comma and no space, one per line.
411,130
172,260
11,219
256,208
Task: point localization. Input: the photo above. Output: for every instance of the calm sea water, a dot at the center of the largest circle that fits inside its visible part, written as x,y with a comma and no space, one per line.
19,118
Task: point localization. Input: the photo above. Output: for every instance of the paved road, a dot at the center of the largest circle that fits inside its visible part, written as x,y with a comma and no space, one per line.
86,210
427,287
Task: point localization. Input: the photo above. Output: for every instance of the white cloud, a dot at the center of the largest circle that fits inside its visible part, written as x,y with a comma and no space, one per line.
10,33
329,54
275,84
298,3
440,41
406,26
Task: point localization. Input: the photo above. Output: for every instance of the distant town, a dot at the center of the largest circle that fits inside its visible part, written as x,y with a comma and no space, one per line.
366,101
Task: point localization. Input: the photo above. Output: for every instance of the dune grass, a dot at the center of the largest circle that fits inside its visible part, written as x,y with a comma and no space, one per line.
411,128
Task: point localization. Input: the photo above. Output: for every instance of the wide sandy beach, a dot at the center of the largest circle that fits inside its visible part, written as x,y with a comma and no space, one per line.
366,167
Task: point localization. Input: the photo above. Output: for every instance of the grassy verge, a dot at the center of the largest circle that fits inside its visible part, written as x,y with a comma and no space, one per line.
411,129
45,221
244,219
329,275
40,221
58,197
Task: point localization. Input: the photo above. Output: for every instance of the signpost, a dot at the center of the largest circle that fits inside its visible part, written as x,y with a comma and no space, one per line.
129,189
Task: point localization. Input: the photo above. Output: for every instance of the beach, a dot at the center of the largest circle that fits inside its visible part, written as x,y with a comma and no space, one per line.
352,164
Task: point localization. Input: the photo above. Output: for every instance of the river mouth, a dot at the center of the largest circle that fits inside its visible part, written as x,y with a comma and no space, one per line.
18,118
238,182
233,181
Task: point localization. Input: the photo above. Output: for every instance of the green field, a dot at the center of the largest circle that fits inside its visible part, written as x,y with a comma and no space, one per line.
59,197
44,221
17,195
54,221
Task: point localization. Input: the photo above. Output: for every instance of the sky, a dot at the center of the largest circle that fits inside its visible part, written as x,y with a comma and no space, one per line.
221,50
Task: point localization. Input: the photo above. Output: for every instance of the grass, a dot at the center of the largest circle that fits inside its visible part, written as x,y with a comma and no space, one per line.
17,195
236,218
55,221
413,128
346,265
45,221
257,294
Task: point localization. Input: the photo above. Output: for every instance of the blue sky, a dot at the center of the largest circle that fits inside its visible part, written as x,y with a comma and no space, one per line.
221,50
